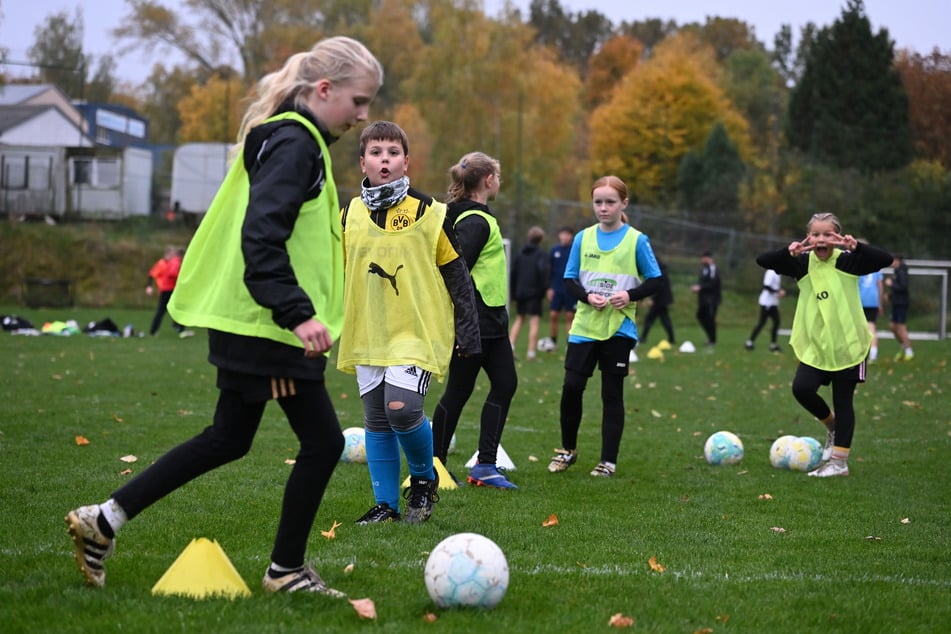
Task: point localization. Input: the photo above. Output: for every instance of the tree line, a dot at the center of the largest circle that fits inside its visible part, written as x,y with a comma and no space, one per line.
703,120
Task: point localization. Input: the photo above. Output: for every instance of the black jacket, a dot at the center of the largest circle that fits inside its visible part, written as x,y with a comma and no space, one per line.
529,274
285,168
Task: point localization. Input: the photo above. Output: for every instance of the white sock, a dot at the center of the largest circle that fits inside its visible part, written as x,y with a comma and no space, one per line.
114,514
873,353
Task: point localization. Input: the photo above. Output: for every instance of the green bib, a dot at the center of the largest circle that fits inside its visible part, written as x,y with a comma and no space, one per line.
829,330
490,275
211,293
605,273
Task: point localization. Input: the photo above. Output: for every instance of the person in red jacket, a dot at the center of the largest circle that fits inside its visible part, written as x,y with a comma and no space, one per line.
163,275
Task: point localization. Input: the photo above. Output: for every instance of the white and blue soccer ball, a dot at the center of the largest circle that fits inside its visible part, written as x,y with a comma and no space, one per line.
354,445
466,570
805,454
547,344
723,447
779,451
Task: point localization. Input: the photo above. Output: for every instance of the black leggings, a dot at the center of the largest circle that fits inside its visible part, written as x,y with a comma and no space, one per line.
313,419
499,365
805,387
767,312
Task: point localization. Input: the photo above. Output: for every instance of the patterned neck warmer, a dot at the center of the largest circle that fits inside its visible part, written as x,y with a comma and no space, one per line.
384,196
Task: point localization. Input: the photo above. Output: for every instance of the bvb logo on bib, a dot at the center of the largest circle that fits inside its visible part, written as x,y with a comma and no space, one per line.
400,221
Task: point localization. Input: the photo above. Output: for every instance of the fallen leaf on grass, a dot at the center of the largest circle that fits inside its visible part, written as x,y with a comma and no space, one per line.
905,520
911,404
656,414
778,529
705,630
365,608
126,472
331,533
765,496
429,617
82,440
348,568
551,521
129,458
533,458
656,567
290,461
619,620
117,418
873,538
722,618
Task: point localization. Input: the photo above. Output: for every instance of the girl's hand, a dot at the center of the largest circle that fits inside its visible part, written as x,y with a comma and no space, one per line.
315,338
596,301
620,300
803,246
846,242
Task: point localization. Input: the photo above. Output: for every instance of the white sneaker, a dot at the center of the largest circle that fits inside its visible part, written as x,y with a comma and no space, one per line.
562,460
304,580
830,444
835,467
91,547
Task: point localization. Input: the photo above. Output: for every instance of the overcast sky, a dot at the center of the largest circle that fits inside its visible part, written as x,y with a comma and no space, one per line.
921,25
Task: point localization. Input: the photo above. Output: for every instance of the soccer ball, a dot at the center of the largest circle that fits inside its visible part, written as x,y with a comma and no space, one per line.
723,447
547,344
466,570
354,445
805,454
779,451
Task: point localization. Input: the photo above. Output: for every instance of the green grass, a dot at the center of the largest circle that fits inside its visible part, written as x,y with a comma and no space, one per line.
725,568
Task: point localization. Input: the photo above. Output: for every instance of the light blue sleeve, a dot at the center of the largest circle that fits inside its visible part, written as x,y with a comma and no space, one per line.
573,266
647,265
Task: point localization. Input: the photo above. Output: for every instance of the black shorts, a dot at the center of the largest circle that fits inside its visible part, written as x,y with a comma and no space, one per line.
531,307
611,356
871,313
899,314
563,301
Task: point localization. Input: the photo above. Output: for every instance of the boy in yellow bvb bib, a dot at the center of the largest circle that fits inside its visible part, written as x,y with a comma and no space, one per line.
407,298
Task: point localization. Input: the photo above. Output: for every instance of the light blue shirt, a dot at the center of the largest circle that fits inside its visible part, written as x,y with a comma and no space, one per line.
868,289
644,257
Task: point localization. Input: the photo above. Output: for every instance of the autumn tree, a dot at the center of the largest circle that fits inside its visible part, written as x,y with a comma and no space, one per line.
650,32
160,95
219,33
661,110
726,36
927,82
607,66
789,57
212,111
504,95
850,110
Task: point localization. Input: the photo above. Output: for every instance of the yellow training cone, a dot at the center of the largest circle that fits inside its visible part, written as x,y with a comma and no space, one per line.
655,353
202,570
664,345
442,474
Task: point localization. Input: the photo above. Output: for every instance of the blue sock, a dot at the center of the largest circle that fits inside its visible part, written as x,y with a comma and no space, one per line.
383,459
417,444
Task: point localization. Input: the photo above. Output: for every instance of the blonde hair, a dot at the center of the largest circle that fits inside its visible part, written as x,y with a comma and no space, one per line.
467,175
825,216
339,59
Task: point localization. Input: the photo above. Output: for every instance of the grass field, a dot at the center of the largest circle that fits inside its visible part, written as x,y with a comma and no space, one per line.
868,553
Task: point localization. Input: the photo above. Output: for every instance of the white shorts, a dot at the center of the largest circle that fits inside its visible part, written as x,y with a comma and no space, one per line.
408,377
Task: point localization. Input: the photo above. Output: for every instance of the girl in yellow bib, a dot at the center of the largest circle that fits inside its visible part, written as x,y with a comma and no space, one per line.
610,267
830,336
408,296
264,275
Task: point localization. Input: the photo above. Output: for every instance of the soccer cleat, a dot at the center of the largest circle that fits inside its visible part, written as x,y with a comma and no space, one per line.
562,460
603,470
379,514
304,580
774,347
420,495
832,468
488,475
830,444
185,334
91,547
748,345
909,355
